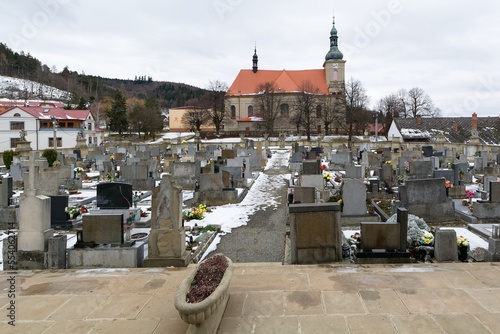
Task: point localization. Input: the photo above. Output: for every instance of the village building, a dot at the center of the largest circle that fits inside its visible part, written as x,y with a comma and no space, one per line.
447,130
40,125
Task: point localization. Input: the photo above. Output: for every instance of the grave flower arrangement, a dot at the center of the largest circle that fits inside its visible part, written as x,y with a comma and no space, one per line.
129,223
407,167
462,242
78,170
327,177
73,212
448,184
470,194
427,239
463,248
195,213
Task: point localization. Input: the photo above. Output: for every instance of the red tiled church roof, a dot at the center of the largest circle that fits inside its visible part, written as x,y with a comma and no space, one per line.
286,81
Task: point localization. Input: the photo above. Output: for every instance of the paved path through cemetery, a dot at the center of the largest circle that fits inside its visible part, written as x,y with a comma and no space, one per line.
263,238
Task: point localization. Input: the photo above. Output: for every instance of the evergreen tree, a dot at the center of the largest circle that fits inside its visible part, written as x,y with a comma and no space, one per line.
153,120
117,115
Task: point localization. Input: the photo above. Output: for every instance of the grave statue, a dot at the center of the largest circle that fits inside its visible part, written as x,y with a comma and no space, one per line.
22,135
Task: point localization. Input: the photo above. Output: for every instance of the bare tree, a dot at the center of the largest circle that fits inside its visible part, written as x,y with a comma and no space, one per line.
305,108
333,115
389,107
414,102
355,105
268,102
420,103
213,102
197,117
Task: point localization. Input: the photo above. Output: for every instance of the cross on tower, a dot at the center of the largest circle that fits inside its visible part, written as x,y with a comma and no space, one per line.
34,163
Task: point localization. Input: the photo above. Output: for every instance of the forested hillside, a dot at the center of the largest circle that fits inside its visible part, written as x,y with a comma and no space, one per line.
89,88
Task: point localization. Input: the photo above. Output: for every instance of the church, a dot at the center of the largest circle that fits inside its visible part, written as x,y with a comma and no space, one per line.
294,101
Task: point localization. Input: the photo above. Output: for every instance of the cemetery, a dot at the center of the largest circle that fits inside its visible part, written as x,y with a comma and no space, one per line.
136,207
117,208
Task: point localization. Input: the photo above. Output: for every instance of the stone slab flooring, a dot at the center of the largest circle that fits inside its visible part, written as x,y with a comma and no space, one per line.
265,298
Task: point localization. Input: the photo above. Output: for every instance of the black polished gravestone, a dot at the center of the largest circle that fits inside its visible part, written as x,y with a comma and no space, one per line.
427,151
114,195
58,216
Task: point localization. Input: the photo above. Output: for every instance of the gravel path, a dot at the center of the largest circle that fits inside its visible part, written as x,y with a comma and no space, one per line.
263,238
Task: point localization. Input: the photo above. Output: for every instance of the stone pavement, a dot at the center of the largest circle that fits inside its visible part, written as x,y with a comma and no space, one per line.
265,298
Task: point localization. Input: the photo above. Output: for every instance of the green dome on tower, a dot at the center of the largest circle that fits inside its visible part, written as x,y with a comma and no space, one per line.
334,53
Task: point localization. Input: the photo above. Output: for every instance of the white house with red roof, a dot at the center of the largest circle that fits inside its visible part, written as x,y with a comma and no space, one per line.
242,96
38,124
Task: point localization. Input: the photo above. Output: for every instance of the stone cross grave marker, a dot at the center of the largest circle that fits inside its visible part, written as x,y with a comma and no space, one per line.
33,163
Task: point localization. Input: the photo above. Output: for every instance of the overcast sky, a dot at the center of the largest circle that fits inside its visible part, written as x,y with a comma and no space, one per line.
450,49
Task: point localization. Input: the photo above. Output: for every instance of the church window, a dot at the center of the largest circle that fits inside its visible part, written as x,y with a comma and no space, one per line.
233,111
318,110
335,75
284,109
250,111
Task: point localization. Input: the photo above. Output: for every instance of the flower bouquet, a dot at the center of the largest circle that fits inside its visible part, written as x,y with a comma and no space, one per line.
427,239
195,213
463,248
78,170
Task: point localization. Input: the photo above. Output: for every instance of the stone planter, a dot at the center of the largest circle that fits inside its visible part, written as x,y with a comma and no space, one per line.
212,307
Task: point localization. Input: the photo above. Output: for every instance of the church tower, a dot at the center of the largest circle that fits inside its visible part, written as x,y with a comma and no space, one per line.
334,65
255,60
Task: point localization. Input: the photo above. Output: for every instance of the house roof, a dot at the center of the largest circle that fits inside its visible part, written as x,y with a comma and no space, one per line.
286,81
47,113
7,103
460,132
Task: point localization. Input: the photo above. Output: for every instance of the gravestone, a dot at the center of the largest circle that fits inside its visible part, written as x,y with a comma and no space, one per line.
387,174
374,185
495,192
447,174
460,170
421,169
33,233
304,195
297,157
315,181
385,239
228,154
315,233
427,151
354,172
427,199
375,159
478,163
340,160
5,191
15,172
311,167
354,198
114,195
445,245
102,229
486,182
227,180
58,216
167,239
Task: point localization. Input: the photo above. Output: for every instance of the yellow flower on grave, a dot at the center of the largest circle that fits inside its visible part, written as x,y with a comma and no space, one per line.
327,176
